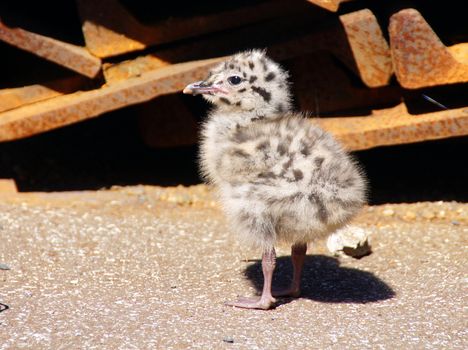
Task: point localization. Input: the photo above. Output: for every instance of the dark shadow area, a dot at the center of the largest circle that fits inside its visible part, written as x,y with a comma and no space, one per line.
427,100
150,12
52,18
324,280
3,307
98,153
148,22
425,171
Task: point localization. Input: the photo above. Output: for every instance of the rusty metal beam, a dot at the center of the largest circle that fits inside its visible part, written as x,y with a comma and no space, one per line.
109,29
357,41
370,50
17,97
67,55
396,126
64,110
420,58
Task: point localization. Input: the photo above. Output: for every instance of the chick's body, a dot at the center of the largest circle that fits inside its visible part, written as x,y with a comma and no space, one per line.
280,178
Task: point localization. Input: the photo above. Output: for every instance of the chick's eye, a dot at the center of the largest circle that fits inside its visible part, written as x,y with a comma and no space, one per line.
234,80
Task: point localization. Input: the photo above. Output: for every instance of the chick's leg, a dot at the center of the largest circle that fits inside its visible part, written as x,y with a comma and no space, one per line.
298,253
266,300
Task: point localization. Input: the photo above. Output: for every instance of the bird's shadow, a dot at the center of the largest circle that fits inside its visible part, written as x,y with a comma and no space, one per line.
324,280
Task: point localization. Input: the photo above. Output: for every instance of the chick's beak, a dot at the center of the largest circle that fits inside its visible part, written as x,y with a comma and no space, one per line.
201,87
192,88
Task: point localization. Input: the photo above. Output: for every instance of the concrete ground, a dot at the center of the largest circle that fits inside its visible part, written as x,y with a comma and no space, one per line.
149,268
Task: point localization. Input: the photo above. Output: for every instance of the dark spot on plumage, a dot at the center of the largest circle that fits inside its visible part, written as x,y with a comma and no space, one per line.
283,200
262,145
240,136
298,175
258,117
245,216
264,64
297,196
318,161
282,148
348,182
262,92
240,153
270,76
251,65
252,79
231,66
280,108
267,175
287,164
243,90
225,100
292,198
304,149
321,210
333,170
238,103
244,74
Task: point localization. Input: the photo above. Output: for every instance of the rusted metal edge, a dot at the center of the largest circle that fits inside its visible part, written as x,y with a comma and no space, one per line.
396,126
70,56
369,48
362,47
64,110
330,5
109,29
16,97
420,58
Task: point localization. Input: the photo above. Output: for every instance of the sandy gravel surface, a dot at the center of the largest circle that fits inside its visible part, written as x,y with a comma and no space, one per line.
149,268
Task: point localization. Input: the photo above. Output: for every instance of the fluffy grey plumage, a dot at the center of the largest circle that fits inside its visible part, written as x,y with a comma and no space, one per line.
280,177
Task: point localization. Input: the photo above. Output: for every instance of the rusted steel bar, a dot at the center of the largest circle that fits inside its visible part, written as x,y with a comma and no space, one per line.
396,126
64,110
71,56
17,97
369,47
109,29
357,41
420,58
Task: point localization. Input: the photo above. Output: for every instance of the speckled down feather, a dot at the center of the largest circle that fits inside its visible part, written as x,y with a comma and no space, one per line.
280,177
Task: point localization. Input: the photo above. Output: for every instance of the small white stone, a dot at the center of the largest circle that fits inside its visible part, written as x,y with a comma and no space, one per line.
350,240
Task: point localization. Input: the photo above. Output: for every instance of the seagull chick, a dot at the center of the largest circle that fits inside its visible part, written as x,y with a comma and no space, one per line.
280,178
